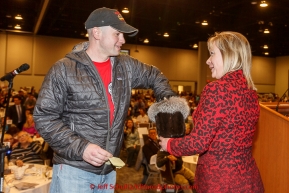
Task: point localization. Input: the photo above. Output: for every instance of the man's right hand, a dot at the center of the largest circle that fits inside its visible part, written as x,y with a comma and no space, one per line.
95,155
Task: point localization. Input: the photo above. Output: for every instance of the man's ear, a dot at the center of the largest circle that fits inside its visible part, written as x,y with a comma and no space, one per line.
96,31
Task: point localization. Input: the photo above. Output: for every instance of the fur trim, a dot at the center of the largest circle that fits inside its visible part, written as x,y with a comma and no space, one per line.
171,105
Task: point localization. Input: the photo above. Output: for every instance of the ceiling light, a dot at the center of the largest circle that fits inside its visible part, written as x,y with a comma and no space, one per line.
18,17
86,35
266,31
253,2
166,35
125,10
17,26
195,46
265,47
204,22
146,41
263,4
266,53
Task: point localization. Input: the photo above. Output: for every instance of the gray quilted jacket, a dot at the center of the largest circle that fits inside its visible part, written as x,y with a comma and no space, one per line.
72,109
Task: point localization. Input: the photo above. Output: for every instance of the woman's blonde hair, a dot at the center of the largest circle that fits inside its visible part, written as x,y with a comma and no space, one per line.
236,53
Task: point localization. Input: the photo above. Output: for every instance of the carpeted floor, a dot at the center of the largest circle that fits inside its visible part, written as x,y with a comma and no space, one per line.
128,180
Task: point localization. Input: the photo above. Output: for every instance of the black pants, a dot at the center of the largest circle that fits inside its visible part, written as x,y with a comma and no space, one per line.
132,155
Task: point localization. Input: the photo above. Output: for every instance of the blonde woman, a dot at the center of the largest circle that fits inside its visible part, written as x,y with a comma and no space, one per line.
224,121
29,125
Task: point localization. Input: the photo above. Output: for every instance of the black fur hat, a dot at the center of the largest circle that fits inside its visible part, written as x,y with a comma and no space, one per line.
169,116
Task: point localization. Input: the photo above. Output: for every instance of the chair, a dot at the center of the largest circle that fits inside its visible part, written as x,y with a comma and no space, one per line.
142,131
168,180
151,172
145,137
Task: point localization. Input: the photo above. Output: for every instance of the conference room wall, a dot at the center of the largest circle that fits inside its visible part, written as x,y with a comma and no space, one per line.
263,73
282,75
2,55
41,52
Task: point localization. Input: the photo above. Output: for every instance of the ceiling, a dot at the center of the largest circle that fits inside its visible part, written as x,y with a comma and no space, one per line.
180,18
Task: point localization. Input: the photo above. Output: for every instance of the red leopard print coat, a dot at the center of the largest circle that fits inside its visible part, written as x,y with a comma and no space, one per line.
224,125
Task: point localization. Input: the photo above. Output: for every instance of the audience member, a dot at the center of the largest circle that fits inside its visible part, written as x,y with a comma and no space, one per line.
129,114
16,112
142,118
13,130
22,94
27,112
30,102
8,138
26,150
139,104
131,142
150,101
33,92
29,126
150,148
2,102
182,175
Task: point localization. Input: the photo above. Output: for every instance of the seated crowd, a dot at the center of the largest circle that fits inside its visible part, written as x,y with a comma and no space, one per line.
22,133
26,145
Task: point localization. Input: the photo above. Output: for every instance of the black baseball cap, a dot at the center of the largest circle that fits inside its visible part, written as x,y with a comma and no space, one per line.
109,17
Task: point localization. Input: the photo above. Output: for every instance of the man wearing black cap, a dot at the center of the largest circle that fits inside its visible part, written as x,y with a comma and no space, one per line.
83,103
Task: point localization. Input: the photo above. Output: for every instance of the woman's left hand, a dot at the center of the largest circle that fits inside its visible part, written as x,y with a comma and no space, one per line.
163,143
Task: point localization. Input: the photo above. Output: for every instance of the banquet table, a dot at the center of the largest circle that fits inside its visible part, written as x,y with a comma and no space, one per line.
42,187
190,162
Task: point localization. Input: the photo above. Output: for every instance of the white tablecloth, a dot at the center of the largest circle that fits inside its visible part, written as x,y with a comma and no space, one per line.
42,187
190,162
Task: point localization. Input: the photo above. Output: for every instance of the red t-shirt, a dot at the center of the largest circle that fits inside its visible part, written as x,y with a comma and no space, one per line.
104,70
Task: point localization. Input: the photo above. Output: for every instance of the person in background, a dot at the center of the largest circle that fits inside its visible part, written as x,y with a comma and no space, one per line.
29,126
30,102
150,148
143,117
27,113
26,150
22,94
139,104
132,143
182,175
83,102
224,121
33,92
16,112
2,102
129,114
13,130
